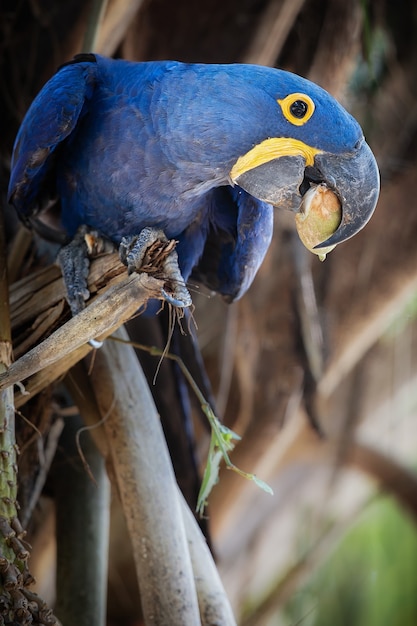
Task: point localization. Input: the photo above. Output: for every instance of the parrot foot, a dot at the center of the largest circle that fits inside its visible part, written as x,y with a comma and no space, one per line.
152,252
74,261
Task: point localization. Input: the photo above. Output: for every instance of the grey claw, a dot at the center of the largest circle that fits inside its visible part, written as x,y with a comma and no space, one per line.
152,252
183,304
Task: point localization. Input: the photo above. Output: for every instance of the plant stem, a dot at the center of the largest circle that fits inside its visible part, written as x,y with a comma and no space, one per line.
147,487
212,599
83,510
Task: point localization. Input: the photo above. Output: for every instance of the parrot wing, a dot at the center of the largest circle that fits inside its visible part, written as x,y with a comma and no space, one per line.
50,120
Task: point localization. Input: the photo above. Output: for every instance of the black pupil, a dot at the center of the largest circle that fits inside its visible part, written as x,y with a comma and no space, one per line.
299,109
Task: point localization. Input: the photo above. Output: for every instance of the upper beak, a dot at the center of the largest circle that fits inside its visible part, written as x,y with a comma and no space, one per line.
353,176
355,179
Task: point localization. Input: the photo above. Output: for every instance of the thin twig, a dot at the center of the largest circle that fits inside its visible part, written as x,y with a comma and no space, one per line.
49,453
88,429
221,437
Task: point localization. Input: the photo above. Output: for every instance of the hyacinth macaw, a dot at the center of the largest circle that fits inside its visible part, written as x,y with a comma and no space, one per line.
201,152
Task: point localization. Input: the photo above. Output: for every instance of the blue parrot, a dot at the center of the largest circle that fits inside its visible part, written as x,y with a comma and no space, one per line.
200,152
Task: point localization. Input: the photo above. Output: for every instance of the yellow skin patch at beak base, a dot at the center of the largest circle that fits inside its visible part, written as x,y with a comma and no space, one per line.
270,149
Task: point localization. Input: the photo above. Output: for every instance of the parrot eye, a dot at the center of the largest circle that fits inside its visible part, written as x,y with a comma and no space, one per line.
297,108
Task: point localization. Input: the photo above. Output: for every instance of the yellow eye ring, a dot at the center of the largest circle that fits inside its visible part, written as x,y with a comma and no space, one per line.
297,108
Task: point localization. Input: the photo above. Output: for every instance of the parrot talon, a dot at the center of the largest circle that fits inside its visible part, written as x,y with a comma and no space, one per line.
135,251
152,252
94,343
174,301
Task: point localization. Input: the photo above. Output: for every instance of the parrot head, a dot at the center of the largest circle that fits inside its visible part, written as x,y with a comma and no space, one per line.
306,138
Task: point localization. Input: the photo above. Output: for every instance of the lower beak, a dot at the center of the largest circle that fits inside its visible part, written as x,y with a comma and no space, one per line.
355,180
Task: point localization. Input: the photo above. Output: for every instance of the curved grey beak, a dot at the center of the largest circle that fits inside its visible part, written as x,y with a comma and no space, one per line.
354,177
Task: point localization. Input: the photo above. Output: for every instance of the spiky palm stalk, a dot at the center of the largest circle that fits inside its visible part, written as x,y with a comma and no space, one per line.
18,605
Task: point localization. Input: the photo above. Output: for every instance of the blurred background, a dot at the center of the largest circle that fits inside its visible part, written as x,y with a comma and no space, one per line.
315,368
